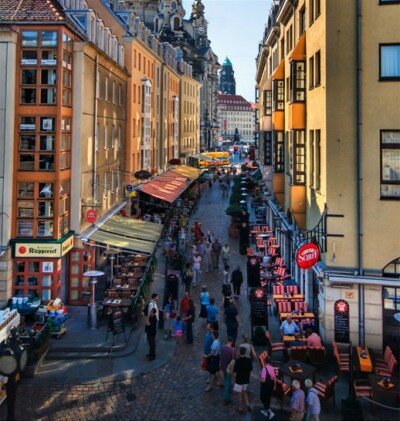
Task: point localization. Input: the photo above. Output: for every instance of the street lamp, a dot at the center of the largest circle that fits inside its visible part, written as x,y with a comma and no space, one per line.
93,275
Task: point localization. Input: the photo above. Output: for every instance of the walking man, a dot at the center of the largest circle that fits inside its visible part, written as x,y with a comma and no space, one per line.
242,371
225,254
313,403
237,280
215,253
232,321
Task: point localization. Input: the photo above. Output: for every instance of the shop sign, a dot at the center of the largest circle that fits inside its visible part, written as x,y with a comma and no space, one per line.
342,321
91,216
47,267
44,249
307,256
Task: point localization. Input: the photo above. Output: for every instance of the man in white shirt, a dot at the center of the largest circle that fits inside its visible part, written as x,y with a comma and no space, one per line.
153,304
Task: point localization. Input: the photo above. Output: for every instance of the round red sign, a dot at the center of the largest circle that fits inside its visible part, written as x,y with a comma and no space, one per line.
307,255
22,250
91,216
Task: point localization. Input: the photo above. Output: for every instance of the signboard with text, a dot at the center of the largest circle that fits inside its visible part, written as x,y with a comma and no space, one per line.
25,249
342,321
307,256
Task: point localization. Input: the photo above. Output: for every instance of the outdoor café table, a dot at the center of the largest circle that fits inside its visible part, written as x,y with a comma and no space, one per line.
117,302
307,315
363,364
288,297
390,394
306,371
290,338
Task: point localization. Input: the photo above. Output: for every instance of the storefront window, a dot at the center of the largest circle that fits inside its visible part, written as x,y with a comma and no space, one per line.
49,77
46,209
47,281
20,266
33,266
47,142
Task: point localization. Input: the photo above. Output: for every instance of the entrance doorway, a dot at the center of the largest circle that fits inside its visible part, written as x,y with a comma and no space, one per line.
391,327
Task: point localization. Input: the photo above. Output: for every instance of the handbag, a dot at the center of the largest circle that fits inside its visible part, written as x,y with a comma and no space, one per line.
204,363
231,366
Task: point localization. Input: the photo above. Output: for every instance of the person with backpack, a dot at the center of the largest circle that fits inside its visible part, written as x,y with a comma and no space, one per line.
152,304
267,386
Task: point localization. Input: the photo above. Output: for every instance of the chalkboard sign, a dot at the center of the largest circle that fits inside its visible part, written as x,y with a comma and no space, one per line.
116,323
259,313
253,273
342,328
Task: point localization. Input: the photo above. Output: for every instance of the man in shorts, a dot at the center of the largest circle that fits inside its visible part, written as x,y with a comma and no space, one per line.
241,372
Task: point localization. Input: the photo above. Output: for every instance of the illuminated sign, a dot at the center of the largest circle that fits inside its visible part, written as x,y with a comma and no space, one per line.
307,256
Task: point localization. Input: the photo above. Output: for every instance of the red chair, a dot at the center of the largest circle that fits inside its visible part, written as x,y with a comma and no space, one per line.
265,228
281,274
279,261
385,357
298,353
300,306
255,229
363,388
260,244
281,391
284,307
272,252
327,391
272,242
292,288
278,290
388,370
274,346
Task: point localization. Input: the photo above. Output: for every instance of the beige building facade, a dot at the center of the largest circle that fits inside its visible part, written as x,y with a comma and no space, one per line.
328,82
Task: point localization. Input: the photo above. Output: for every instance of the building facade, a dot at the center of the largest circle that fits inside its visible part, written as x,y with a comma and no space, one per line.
236,118
331,162
166,19
227,82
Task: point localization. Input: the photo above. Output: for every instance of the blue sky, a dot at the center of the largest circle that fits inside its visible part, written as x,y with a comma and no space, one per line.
235,28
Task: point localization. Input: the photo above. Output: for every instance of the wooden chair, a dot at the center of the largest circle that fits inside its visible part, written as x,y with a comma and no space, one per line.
292,288
126,294
274,346
272,251
342,365
278,290
298,353
300,306
281,391
389,369
111,294
385,357
363,388
327,391
281,274
316,355
284,307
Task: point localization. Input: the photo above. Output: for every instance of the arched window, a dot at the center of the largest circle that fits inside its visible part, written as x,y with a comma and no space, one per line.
392,269
177,23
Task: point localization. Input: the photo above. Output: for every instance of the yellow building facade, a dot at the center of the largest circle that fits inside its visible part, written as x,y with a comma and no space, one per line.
328,83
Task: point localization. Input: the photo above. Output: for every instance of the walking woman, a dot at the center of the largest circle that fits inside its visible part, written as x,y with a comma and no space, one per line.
267,386
204,303
189,319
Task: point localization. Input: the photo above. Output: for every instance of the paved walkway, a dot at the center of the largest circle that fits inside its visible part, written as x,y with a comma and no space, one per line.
170,388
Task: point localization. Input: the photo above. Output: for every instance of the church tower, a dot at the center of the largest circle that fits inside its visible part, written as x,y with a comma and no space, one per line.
227,83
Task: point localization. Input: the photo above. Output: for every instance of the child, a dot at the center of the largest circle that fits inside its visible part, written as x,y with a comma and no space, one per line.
178,328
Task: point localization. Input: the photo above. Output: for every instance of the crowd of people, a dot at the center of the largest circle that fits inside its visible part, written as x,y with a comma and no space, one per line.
229,363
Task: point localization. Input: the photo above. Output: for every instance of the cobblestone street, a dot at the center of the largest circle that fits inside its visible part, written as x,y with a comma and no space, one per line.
176,391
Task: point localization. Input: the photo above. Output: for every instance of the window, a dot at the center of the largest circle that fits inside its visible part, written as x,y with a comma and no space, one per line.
267,102
29,39
279,152
48,76
302,20
278,95
28,77
315,159
389,61
389,1
28,96
311,73
106,97
317,11
282,48
114,92
297,81
49,39
120,100
48,96
297,156
390,164
317,71
106,145
267,148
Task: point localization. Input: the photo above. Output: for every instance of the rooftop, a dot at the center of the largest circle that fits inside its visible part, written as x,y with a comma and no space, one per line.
31,11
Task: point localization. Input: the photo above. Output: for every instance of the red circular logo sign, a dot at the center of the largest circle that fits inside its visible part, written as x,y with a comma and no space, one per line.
91,216
22,250
307,255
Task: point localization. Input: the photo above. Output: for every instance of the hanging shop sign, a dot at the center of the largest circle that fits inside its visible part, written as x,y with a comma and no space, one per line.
142,174
342,321
307,255
91,216
129,188
49,249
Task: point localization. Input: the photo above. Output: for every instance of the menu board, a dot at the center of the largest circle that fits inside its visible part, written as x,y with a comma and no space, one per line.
259,313
116,324
342,321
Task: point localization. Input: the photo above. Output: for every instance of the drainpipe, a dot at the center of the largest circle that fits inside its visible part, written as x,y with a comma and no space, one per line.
361,306
96,134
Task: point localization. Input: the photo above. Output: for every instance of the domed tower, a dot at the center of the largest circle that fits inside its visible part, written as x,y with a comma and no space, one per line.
227,83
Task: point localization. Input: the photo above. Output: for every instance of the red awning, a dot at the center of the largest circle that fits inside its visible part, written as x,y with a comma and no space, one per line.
167,186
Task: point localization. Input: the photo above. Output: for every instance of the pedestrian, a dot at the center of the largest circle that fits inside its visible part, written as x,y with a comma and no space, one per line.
153,304
297,403
184,304
313,403
250,352
313,339
189,319
208,338
212,314
227,359
215,253
267,386
214,360
232,320
187,277
237,280
151,331
170,314
242,370
207,257
178,329
196,268
204,303
226,285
